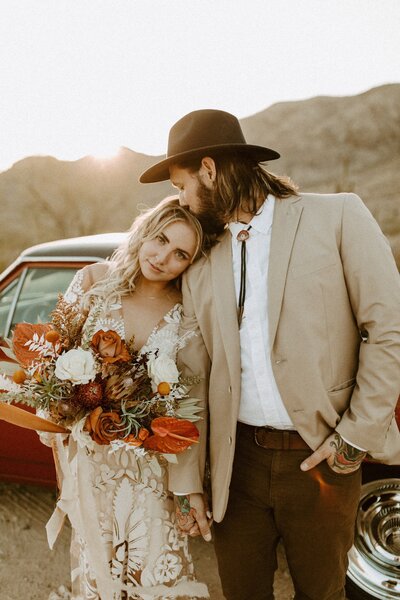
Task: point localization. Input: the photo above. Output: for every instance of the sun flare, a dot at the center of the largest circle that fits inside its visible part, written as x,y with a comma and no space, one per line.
106,153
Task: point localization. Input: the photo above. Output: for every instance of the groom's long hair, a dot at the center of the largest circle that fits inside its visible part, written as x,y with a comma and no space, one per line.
241,182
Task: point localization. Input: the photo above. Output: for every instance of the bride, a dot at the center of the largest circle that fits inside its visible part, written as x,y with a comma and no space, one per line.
124,541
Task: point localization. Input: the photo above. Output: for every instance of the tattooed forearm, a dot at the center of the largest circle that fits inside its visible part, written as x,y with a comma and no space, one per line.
183,503
346,457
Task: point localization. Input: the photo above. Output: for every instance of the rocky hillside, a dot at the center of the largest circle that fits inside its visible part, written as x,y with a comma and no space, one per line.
326,143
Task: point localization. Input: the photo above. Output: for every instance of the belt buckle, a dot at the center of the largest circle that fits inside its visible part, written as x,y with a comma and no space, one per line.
264,444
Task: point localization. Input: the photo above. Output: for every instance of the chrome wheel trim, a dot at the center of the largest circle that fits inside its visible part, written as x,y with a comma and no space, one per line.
374,559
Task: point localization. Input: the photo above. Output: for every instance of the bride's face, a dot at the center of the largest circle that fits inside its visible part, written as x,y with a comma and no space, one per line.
166,256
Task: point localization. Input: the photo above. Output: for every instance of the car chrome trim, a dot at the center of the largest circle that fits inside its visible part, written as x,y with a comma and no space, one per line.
49,258
374,559
21,260
13,304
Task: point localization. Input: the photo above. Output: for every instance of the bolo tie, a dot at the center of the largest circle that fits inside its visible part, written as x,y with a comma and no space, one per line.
242,237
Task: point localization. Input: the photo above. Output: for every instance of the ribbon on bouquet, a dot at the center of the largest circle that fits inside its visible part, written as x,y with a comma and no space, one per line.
77,502
27,420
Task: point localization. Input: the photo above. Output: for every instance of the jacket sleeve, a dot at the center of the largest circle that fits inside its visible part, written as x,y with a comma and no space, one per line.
186,476
373,285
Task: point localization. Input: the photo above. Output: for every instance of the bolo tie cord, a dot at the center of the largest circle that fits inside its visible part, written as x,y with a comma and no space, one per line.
242,237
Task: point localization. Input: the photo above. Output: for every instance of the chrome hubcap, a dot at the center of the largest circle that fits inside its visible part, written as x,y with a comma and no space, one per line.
374,560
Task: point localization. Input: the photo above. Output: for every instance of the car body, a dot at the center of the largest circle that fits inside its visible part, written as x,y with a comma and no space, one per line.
28,292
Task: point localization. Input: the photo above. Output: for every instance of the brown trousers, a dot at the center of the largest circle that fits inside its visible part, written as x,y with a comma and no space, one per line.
312,512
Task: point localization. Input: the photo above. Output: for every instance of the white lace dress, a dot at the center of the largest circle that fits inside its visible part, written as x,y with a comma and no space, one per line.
124,543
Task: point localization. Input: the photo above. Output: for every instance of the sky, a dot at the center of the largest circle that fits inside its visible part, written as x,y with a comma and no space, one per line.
81,77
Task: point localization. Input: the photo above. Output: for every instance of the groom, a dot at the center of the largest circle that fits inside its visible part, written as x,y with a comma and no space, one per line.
297,315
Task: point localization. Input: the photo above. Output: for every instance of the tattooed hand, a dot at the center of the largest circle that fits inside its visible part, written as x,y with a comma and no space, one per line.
340,456
193,516
346,458
184,513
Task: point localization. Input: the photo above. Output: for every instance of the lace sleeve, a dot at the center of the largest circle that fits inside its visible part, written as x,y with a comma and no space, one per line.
83,281
75,289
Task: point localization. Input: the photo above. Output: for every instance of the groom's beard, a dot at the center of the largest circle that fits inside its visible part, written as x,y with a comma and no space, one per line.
210,216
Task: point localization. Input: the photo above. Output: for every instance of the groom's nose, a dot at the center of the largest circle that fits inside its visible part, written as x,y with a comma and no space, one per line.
181,197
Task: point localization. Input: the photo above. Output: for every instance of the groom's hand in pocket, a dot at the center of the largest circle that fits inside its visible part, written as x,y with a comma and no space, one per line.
193,516
341,456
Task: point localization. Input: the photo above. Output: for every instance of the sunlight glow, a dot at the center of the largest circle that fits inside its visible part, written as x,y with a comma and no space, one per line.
105,154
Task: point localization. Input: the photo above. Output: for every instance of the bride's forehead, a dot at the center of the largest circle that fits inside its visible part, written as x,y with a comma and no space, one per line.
178,229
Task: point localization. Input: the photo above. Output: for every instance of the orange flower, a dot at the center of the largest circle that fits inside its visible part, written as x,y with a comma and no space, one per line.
19,376
137,441
110,347
104,427
24,332
171,435
52,336
163,388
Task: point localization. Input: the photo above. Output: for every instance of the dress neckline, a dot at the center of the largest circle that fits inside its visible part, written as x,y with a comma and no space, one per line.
158,326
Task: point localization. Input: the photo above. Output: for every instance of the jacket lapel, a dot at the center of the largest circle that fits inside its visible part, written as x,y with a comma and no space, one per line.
225,302
287,214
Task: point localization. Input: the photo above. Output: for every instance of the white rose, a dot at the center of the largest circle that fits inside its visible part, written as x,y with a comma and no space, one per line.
77,366
162,368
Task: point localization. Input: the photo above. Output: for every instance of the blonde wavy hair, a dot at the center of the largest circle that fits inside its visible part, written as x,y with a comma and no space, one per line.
124,271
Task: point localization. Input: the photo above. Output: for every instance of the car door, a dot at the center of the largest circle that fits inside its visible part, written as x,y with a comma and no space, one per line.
29,294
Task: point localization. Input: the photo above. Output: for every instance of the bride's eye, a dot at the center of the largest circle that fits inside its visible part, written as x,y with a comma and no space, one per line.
181,255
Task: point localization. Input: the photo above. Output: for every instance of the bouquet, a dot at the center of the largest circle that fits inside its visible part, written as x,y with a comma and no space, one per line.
93,384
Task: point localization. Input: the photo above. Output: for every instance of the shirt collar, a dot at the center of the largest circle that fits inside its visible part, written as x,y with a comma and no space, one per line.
261,222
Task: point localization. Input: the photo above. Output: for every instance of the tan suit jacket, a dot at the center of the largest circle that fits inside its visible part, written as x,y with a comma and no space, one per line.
334,323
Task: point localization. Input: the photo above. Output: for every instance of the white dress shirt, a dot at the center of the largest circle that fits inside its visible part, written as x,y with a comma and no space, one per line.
260,402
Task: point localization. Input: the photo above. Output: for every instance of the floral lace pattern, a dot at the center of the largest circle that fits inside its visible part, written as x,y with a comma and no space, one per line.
75,290
148,558
137,525
107,323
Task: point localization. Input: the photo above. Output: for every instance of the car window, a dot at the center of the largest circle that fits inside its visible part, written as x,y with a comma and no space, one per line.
38,295
7,297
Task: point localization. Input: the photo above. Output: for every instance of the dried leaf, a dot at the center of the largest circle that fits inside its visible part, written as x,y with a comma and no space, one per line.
68,321
6,352
28,342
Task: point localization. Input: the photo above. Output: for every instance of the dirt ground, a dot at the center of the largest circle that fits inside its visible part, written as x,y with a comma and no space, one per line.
30,571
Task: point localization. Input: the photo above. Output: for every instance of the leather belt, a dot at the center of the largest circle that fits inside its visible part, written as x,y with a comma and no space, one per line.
275,439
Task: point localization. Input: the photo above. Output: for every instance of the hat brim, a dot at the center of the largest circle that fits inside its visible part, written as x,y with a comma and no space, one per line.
160,171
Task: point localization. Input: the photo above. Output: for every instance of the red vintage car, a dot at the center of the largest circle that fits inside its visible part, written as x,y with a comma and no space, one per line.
28,292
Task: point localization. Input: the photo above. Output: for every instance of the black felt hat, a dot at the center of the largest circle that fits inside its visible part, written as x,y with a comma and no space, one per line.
204,133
